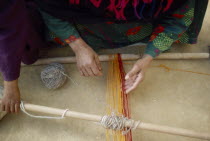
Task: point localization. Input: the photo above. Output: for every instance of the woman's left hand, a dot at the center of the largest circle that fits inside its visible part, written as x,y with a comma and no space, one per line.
136,75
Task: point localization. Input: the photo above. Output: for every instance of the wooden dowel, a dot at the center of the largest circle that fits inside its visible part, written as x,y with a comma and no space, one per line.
174,131
125,57
183,56
59,112
67,60
97,118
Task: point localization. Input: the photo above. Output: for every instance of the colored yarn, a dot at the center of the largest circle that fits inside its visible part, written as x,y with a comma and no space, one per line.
117,100
169,3
180,70
159,9
118,6
96,3
135,4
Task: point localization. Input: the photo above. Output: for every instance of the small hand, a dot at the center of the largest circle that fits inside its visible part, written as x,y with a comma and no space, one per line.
87,60
11,98
137,73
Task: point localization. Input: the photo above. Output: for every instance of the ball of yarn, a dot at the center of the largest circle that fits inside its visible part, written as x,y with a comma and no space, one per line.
53,76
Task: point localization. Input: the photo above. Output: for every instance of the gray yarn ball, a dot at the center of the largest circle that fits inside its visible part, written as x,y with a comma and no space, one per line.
53,76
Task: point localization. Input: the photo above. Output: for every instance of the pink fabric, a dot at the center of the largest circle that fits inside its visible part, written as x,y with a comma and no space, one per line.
74,1
159,9
147,1
135,4
118,6
96,3
168,5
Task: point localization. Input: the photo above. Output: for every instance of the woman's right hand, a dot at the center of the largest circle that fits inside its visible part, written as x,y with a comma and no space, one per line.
87,60
11,98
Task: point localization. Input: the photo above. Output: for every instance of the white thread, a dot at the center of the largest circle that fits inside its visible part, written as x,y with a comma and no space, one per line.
22,107
75,83
118,123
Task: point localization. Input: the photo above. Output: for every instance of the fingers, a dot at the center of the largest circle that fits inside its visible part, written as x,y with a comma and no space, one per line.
17,107
137,81
91,69
96,69
130,81
98,63
7,109
85,73
134,71
12,107
3,107
81,73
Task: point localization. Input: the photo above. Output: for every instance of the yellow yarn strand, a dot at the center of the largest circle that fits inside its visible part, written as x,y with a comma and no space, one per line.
114,96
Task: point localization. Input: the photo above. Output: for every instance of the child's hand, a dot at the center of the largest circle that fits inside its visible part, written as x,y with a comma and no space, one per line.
11,98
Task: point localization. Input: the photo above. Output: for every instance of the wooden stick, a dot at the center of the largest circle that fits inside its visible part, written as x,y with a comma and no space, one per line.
125,57
67,60
97,118
183,56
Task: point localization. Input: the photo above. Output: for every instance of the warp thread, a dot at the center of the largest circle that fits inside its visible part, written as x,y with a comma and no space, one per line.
54,76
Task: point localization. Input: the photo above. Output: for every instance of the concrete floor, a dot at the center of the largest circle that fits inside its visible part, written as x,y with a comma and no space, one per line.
177,99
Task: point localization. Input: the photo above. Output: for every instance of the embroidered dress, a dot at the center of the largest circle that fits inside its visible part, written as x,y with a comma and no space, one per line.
182,25
20,30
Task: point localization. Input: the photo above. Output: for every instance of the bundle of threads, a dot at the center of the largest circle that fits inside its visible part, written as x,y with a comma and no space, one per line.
54,76
118,6
117,99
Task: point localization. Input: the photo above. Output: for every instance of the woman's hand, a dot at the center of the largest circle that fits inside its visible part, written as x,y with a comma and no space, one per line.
11,98
87,60
137,73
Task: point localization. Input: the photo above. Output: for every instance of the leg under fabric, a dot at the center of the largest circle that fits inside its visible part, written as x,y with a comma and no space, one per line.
36,35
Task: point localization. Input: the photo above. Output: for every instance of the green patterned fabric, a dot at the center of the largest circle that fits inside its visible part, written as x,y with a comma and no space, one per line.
182,26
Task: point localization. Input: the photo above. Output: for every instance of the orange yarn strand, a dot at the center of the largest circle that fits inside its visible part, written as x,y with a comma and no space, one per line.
117,99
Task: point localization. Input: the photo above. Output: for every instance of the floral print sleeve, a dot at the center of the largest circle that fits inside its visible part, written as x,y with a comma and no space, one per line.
62,29
170,29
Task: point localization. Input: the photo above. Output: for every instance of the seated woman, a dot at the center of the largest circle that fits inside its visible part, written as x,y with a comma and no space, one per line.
88,25
19,41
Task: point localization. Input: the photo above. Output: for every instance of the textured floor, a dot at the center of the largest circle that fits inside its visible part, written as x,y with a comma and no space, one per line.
173,98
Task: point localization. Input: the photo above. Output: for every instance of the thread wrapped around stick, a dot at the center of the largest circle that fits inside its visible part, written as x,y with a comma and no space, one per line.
118,123
53,76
